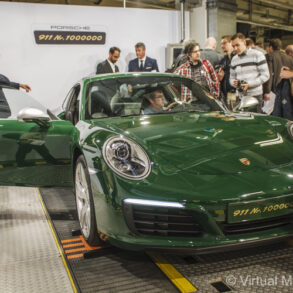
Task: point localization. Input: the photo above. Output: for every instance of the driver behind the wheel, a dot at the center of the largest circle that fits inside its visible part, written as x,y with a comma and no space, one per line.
157,101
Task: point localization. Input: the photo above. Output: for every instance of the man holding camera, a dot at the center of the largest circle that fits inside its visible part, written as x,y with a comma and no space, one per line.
250,67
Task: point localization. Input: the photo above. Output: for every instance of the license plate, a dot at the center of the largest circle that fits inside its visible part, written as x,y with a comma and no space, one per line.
260,209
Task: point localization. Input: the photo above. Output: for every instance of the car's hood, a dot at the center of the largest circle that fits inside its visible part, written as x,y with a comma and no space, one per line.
209,144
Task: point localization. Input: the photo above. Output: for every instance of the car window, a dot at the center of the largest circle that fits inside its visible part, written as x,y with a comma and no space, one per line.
72,106
140,95
12,101
73,93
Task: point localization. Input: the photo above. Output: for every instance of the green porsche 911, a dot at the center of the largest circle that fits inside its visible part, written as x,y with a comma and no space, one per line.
156,162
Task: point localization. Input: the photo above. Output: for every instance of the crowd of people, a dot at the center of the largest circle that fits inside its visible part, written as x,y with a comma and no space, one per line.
244,69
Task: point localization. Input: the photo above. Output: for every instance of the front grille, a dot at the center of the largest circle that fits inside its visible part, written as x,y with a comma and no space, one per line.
157,221
256,226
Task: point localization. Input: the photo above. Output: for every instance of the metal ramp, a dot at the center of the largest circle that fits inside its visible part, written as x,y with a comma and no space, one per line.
29,258
112,269
31,262
261,269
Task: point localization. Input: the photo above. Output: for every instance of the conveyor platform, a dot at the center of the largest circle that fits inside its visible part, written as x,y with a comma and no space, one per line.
42,251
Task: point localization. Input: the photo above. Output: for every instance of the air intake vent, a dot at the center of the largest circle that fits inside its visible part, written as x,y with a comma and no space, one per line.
158,221
256,226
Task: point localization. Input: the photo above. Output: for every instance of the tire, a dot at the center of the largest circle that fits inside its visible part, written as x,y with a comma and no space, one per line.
84,203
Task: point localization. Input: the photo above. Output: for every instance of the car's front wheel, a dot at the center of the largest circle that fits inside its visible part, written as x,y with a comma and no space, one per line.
84,203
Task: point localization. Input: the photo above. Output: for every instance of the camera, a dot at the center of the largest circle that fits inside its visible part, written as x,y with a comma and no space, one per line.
240,87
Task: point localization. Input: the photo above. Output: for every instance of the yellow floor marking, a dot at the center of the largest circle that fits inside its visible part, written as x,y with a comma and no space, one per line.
57,242
174,276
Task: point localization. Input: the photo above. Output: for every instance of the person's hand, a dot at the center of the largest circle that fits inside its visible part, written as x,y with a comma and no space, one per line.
130,89
266,97
245,86
25,87
286,73
220,74
235,83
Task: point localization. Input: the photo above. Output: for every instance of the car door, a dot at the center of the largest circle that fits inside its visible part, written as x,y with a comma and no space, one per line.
34,152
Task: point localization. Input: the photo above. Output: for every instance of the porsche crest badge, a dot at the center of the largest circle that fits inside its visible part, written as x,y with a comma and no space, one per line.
245,161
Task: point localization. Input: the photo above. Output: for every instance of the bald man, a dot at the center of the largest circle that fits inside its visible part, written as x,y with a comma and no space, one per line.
289,50
209,52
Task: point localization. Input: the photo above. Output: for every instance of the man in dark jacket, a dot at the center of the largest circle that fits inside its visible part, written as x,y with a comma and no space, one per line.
5,82
109,66
283,103
226,88
276,60
142,62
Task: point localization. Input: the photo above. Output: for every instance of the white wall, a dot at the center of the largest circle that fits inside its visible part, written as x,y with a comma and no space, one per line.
198,24
51,70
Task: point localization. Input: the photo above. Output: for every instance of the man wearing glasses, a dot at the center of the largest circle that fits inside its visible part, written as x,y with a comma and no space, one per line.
199,70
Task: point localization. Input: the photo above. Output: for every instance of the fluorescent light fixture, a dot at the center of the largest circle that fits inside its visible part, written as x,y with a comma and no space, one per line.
156,203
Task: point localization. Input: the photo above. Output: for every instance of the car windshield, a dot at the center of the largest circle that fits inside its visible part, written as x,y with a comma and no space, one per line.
12,101
146,95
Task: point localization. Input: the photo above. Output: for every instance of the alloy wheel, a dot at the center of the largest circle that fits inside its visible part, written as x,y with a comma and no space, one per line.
82,200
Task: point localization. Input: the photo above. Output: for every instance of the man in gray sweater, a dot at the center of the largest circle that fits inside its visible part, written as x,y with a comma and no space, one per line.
248,65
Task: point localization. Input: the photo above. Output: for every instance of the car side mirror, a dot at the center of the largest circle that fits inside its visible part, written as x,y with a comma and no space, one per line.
34,115
247,103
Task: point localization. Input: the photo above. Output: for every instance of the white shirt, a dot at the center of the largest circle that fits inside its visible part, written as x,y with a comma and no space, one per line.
143,61
112,65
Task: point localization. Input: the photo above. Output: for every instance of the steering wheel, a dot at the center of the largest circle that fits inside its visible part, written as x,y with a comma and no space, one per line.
176,103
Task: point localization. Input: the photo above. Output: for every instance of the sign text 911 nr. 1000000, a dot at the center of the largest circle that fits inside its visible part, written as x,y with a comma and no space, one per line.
265,209
70,37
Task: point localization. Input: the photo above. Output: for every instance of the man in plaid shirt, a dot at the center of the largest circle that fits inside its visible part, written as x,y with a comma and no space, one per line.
199,70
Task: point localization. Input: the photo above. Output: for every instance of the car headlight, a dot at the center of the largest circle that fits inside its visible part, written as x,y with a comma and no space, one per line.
126,158
290,129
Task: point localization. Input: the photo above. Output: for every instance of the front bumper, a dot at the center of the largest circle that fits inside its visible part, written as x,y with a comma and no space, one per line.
198,246
211,238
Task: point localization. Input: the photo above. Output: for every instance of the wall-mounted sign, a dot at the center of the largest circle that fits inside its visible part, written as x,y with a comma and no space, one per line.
69,37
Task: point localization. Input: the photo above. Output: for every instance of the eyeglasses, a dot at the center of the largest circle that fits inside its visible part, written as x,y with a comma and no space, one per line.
195,51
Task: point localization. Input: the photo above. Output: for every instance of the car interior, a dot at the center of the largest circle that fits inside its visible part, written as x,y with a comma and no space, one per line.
111,98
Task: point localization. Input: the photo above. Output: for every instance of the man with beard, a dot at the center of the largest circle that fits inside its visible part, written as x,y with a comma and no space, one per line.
199,70
109,66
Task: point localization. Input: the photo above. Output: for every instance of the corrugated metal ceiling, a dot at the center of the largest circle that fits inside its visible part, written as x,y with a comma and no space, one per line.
269,13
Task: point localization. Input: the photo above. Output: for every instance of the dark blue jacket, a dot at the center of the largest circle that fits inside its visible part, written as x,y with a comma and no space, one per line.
225,84
149,65
283,103
4,107
5,82
105,67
